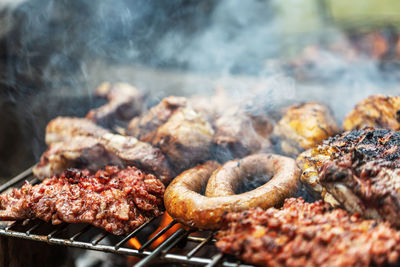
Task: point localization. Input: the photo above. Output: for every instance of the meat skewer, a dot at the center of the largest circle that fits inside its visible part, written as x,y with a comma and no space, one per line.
116,200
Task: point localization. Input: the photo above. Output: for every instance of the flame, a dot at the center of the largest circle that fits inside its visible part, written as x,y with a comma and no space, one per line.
166,219
133,242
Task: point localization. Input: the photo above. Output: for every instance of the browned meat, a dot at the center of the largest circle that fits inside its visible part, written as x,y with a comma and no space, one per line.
308,234
358,170
376,111
239,134
181,133
117,200
95,153
304,126
145,127
215,105
65,128
124,103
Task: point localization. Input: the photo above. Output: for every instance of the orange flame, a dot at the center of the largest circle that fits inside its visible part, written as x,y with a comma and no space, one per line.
166,219
133,242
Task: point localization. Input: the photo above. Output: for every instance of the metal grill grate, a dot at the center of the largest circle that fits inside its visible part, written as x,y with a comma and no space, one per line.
183,246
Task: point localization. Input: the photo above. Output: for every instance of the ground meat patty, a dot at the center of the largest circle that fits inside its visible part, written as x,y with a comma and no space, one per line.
113,199
308,234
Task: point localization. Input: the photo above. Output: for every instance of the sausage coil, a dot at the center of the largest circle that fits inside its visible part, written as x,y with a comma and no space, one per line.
184,202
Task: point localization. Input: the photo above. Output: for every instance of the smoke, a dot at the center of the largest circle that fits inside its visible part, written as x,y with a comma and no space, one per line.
53,53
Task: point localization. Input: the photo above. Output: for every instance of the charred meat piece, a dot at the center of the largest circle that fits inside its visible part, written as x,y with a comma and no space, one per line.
123,103
373,146
365,185
308,234
64,128
239,134
376,111
116,200
181,133
304,126
94,153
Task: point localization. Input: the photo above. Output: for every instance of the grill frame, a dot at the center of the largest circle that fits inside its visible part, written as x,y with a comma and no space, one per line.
161,252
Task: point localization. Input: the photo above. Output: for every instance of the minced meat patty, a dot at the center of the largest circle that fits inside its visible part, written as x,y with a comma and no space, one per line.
308,234
113,199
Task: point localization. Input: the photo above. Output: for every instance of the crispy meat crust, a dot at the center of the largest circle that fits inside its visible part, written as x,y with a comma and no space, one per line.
117,200
368,143
304,126
307,234
377,111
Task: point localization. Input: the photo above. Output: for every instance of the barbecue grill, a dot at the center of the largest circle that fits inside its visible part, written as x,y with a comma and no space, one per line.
182,247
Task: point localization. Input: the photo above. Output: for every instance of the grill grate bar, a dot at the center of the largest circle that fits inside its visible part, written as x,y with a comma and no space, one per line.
34,181
149,242
57,230
160,248
99,238
175,242
16,179
199,246
11,225
132,234
37,225
81,232
215,260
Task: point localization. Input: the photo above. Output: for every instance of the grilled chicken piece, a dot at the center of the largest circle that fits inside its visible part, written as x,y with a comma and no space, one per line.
303,126
181,133
124,103
238,134
96,152
376,111
64,128
357,170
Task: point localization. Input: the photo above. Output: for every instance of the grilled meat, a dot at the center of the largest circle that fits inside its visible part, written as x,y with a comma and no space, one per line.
307,234
124,103
368,157
96,152
215,105
117,200
239,134
185,138
145,127
64,128
181,133
303,126
376,111
365,185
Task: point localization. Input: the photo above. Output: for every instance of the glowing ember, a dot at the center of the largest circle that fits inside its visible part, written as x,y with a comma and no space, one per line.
166,219
133,242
